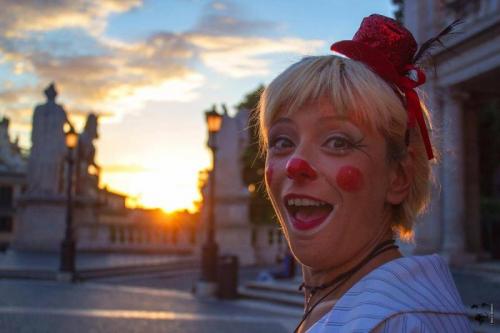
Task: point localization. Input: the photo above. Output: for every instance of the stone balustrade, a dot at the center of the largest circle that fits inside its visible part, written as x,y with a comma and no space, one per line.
119,237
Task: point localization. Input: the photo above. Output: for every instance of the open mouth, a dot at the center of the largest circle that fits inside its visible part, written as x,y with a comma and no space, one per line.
306,212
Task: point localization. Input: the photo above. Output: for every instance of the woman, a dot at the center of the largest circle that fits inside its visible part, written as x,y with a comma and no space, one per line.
347,168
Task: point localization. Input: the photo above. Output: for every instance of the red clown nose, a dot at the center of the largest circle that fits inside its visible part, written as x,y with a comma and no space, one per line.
298,169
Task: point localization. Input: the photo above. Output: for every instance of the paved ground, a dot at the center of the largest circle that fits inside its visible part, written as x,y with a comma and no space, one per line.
162,302
129,304
29,306
478,288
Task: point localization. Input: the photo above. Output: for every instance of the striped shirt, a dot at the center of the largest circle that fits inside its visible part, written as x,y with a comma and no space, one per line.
408,294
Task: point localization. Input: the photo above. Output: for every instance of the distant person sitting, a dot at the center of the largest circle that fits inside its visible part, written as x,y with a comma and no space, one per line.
286,269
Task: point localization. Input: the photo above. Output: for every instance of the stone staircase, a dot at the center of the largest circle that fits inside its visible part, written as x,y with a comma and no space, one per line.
284,296
280,292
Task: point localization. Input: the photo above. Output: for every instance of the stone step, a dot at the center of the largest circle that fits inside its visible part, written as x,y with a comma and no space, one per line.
287,287
282,309
276,297
486,266
86,274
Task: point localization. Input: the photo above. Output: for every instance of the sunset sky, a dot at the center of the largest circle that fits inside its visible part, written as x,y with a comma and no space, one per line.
150,68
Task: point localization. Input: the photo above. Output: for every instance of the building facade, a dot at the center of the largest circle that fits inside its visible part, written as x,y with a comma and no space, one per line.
462,91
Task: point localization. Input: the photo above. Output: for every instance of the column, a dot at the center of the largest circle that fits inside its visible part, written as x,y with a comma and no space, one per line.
428,233
453,179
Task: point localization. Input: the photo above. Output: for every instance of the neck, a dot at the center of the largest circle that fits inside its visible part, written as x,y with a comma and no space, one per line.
318,277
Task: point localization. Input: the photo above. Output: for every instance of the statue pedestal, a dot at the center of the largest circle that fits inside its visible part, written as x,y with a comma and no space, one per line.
233,229
236,240
41,223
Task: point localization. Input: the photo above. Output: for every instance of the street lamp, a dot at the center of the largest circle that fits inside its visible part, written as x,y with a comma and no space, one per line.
210,248
67,259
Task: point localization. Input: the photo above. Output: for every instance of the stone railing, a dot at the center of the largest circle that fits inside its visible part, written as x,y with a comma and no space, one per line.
134,238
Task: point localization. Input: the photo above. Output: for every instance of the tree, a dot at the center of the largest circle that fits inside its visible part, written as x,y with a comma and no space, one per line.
398,13
261,210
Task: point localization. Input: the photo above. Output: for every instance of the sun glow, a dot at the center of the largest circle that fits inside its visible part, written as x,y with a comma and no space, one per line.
153,189
166,186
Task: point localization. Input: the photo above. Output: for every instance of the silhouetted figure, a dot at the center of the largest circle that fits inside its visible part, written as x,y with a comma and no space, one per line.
286,270
87,171
48,149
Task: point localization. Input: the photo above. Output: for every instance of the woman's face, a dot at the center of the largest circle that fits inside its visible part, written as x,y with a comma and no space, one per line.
328,179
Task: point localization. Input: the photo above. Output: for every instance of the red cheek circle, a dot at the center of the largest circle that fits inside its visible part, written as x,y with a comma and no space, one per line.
350,179
269,174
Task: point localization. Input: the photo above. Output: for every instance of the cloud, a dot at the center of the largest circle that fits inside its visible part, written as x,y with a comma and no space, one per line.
228,18
16,103
112,76
240,57
182,89
18,18
9,97
123,71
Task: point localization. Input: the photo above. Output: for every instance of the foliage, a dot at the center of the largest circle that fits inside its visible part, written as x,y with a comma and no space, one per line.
261,210
398,13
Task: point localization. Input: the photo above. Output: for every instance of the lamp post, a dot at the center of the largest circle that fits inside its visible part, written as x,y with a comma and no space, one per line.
210,248
67,255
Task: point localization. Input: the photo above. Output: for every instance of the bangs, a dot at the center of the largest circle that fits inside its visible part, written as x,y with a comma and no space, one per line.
353,90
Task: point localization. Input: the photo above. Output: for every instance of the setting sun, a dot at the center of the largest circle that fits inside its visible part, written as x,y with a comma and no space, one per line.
168,186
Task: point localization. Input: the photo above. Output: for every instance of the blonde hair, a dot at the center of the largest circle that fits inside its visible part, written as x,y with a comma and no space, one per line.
355,92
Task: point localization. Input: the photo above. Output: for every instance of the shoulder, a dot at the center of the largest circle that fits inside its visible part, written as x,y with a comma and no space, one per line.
414,284
424,322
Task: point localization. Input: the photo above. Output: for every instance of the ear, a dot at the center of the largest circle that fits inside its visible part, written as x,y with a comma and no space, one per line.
400,179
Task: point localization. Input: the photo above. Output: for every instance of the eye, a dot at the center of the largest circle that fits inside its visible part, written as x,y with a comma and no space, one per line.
281,143
338,143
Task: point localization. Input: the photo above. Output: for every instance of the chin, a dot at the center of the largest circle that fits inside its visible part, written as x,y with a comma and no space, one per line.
308,255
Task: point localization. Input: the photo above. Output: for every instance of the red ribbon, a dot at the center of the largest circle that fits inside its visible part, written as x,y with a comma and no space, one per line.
415,113
386,70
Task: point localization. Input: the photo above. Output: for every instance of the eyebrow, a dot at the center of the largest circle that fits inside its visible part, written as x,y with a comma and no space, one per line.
283,120
335,118
320,120
324,121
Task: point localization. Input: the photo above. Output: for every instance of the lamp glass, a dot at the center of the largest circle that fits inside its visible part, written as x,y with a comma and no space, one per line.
214,121
71,139
92,170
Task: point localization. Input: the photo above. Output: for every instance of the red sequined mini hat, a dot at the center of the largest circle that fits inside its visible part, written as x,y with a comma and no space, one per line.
389,50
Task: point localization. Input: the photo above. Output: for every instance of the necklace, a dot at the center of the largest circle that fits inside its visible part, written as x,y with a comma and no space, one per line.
339,280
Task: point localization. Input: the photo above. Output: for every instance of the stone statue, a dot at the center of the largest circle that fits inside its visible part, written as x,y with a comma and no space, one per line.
87,171
46,163
11,157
